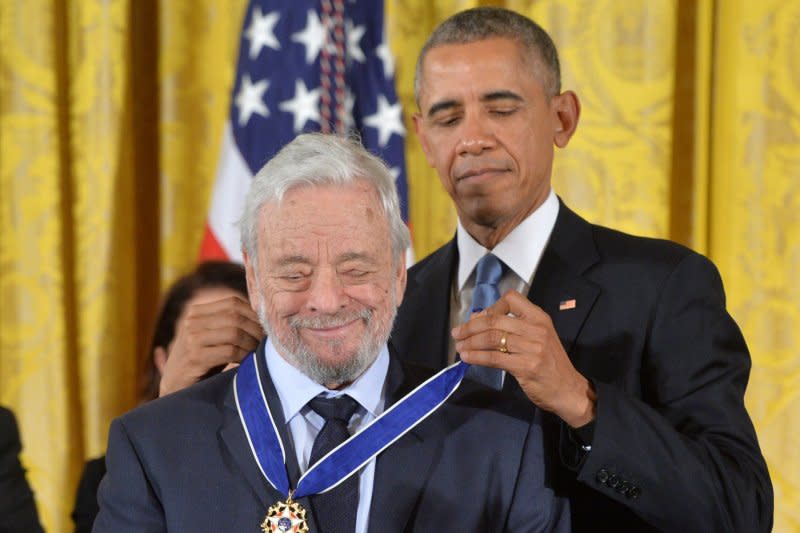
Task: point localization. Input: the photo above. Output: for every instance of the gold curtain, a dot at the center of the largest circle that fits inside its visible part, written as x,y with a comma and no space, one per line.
111,115
754,218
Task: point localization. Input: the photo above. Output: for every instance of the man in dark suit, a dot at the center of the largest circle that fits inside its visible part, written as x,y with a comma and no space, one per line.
324,248
624,342
17,505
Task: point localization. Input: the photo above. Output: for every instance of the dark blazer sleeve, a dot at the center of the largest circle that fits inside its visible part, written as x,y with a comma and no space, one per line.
126,497
686,445
85,510
17,505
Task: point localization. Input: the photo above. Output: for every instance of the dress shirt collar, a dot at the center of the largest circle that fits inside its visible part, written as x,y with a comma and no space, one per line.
521,250
295,389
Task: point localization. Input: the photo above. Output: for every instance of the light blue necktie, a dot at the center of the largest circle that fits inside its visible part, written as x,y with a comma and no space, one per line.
488,273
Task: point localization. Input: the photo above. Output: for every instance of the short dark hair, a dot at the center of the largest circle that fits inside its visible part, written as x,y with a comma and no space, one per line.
482,23
206,275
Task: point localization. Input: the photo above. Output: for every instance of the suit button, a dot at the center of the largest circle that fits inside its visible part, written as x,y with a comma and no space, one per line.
613,481
602,476
633,492
623,488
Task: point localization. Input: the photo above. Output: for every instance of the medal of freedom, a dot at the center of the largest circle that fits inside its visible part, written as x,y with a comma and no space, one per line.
286,516
343,461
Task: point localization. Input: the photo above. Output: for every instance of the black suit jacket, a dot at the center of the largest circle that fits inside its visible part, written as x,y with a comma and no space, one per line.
85,510
183,463
673,444
17,506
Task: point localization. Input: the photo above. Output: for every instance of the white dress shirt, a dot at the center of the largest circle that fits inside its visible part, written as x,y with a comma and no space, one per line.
295,390
521,252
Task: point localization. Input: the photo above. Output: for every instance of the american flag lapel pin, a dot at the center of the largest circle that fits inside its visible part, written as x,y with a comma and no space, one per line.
565,305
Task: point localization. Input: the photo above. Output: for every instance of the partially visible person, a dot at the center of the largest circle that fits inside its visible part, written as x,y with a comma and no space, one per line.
325,395
623,342
17,505
205,315
206,324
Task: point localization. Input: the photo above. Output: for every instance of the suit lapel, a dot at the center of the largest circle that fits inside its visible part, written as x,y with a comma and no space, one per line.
401,469
559,286
234,438
431,311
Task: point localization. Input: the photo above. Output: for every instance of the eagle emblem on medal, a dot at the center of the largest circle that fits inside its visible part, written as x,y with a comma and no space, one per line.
284,517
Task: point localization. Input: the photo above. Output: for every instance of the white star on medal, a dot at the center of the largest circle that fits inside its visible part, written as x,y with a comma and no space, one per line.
285,516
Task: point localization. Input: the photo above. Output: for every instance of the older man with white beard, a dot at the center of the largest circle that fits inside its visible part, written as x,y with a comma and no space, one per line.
322,428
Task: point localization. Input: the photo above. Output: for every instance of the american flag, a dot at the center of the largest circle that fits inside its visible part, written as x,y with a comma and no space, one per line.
304,66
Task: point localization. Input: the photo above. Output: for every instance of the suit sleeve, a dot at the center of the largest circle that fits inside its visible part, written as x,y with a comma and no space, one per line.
17,505
127,499
687,447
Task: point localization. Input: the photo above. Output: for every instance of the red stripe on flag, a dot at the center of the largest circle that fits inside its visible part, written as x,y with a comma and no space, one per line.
210,249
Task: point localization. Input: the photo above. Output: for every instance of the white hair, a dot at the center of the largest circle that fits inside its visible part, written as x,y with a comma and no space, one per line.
322,159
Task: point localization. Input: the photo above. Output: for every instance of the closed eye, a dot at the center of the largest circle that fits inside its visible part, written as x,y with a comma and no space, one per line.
447,120
503,112
355,273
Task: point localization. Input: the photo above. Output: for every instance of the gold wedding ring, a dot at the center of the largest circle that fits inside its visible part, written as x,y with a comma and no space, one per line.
503,343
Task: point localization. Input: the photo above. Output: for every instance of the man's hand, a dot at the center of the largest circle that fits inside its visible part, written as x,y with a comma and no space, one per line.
535,356
209,335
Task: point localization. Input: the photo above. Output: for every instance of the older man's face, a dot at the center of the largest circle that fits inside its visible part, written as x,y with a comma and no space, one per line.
325,284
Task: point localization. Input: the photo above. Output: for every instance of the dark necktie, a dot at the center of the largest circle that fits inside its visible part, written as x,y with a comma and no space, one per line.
488,273
336,509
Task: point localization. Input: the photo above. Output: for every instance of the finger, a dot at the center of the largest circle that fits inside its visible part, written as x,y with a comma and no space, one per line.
492,340
492,359
221,319
221,336
252,326
214,356
226,302
485,321
228,307
514,303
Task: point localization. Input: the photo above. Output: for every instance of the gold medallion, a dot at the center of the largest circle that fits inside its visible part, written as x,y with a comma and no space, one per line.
285,516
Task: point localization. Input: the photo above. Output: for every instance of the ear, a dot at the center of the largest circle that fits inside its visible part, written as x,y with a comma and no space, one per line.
160,359
422,135
567,109
252,284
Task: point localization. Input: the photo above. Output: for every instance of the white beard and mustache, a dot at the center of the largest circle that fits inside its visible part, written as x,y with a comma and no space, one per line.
343,369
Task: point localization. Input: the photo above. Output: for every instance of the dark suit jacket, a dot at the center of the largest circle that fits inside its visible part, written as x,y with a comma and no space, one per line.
182,463
673,445
17,506
86,508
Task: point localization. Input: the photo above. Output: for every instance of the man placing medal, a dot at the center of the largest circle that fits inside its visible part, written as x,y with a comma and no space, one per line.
322,428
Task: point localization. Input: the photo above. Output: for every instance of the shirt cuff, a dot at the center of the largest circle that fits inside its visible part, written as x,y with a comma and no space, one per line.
583,435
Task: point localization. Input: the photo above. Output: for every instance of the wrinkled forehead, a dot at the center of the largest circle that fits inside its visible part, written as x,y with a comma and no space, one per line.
333,215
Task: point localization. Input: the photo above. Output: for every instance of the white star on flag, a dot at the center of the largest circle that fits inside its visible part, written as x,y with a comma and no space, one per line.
385,54
304,106
312,36
387,119
262,32
354,34
251,99
281,83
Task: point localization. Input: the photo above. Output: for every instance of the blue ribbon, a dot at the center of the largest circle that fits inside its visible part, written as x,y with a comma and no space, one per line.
348,457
